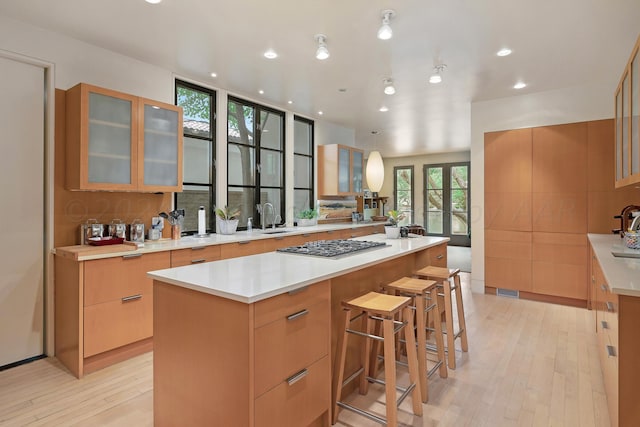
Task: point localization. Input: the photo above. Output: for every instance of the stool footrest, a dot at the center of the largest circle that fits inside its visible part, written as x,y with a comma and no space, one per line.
352,377
372,417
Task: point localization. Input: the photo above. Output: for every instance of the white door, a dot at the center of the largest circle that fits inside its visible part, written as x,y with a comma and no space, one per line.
22,101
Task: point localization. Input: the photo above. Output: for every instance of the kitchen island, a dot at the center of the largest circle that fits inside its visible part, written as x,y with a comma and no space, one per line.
250,341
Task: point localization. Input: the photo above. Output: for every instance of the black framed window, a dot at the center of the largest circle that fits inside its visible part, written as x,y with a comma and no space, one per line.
255,161
403,192
198,171
303,170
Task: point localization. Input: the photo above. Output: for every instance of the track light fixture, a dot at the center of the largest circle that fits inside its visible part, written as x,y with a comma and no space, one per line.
385,32
436,77
322,52
389,89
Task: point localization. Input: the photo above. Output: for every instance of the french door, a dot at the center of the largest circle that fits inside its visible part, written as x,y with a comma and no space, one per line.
446,202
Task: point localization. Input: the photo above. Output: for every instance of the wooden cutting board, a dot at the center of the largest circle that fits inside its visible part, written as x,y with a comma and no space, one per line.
74,252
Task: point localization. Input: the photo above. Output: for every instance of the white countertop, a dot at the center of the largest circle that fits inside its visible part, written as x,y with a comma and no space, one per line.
253,278
622,274
219,239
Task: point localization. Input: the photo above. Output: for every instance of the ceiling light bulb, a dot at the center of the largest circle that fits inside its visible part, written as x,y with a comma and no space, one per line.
320,112
519,85
153,1
322,52
289,102
385,32
261,92
384,109
214,75
436,78
389,89
504,52
270,54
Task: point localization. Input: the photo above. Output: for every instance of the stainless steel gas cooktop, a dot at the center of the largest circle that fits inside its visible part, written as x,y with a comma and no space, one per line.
332,248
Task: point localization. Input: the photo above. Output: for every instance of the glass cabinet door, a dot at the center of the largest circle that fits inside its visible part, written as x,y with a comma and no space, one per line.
357,171
625,127
162,147
110,144
344,169
635,114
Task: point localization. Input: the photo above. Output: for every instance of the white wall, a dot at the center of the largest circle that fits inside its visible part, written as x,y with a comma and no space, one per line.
569,105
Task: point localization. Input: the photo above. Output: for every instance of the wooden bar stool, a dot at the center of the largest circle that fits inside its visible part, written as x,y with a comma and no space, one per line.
422,292
443,276
375,306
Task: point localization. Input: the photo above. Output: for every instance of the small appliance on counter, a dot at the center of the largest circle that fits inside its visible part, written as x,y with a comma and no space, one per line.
136,231
90,229
627,218
117,228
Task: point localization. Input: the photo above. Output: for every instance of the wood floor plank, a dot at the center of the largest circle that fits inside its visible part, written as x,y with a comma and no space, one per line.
529,364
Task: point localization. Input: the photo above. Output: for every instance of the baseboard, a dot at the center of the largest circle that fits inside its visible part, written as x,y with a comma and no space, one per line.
553,299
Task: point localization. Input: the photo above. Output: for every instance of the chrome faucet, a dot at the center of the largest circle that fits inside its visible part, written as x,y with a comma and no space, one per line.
276,220
262,210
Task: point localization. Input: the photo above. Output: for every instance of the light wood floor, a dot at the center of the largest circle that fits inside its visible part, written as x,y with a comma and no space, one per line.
529,364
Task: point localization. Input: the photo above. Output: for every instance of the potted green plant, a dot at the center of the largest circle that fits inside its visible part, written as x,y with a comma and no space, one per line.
307,218
391,230
227,219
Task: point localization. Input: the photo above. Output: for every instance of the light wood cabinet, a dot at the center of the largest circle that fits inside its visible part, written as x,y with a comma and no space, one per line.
121,142
618,317
104,309
627,122
340,170
197,255
244,248
275,369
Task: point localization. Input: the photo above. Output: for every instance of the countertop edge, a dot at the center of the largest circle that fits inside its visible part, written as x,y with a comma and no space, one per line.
618,272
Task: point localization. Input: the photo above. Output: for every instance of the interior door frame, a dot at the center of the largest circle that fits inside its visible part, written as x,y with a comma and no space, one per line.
456,239
48,188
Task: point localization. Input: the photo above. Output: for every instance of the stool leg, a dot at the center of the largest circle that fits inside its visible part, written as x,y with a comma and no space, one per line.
437,325
448,313
422,347
374,363
338,373
461,321
412,358
367,327
390,372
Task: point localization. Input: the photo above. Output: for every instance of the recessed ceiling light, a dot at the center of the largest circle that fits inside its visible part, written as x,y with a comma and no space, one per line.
320,112
384,109
270,54
153,1
519,85
289,102
504,52
261,92
214,75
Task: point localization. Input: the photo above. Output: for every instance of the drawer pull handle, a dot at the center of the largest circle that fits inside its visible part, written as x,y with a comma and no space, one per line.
610,307
295,291
197,261
132,298
297,377
199,248
603,287
294,316
279,238
611,351
329,231
130,256
244,242
306,235
604,324
440,256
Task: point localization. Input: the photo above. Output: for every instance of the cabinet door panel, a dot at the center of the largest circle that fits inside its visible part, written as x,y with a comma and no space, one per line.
111,279
507,211
116,323
560,212
507,159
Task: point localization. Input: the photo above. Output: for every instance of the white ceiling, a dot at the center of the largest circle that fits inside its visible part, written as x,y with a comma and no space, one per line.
555,43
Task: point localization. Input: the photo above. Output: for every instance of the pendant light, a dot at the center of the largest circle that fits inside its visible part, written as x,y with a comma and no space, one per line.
385,32
375,169
322,53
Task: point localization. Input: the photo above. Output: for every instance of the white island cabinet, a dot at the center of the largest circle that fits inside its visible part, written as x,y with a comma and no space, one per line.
248,341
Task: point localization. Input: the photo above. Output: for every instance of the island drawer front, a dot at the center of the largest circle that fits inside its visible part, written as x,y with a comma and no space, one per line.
280,306
283,242
197,255
298,404
116,323
111,279
289,344
244,248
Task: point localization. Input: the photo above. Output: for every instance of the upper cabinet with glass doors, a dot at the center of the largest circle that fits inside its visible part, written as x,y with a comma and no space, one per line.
120,142
627,107
339,170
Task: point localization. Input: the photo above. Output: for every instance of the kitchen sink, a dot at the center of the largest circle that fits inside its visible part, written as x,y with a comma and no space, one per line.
275,231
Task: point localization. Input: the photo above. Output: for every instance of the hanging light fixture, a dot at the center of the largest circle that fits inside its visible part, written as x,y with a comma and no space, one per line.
385,32
375,169
322,52
436,77
389,89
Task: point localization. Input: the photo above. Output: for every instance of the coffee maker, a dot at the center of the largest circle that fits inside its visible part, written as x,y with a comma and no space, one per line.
626,218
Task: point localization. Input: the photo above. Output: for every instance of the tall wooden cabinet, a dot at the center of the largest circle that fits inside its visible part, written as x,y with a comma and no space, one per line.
121,142
627,118
340,170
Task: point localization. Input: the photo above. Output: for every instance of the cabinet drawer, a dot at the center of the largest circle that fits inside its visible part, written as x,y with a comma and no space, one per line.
281,306
290,344
111,279
360,231
609,365
116,323
296,404
195,255
244,248
274,243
